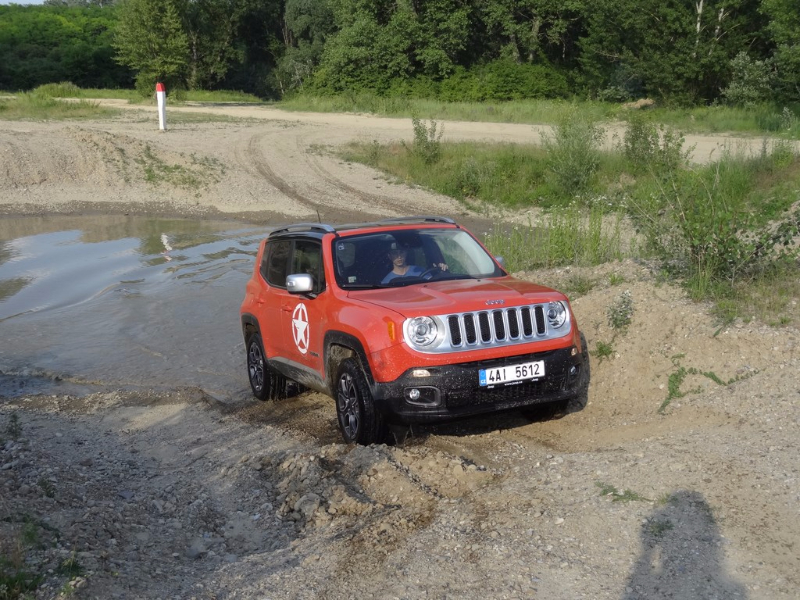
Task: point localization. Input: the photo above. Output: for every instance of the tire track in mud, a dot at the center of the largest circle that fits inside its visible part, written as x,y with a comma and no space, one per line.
253,157
384,202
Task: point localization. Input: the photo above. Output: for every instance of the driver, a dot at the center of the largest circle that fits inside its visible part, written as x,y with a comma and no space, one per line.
400,268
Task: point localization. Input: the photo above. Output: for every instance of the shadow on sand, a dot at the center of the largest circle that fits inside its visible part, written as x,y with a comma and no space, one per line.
682,555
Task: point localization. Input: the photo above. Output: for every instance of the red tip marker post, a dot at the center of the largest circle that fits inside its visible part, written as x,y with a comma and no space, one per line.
161,98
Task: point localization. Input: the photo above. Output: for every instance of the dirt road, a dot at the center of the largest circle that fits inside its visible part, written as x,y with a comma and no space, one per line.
174,494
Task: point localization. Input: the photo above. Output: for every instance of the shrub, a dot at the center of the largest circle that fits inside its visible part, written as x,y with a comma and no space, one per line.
427,141
751,80
574,152
651,148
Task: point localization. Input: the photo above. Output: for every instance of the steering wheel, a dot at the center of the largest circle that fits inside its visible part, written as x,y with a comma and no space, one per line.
429,273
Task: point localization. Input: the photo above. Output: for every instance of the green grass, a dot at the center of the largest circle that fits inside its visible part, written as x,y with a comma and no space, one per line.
603,350
519,111
227,96
676,378
758,120
617,496
13,428
19,576
569,237
70,90
658,528
197,172
31,106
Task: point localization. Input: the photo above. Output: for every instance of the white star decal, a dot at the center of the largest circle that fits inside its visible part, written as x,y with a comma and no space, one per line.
300,327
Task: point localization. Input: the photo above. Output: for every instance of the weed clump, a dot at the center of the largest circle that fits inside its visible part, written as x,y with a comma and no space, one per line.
620,312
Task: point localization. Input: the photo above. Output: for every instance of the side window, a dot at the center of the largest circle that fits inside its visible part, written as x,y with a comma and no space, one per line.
307,258
277,259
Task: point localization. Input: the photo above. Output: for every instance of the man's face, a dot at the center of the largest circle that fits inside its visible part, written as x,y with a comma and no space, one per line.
398,256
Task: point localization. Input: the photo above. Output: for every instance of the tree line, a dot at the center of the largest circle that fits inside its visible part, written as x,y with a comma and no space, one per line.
677,51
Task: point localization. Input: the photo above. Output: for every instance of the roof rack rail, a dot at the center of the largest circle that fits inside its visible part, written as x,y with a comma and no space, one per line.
419,218
324,227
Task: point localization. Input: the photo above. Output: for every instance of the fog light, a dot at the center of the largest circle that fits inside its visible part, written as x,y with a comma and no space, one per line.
423,395
573,370
420,373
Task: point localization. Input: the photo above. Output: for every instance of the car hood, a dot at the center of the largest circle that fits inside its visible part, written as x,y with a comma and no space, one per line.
463,295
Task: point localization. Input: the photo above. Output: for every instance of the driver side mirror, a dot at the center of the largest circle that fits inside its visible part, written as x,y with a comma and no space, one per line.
501,261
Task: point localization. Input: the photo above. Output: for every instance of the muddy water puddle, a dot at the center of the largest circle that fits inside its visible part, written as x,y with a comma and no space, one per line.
99,302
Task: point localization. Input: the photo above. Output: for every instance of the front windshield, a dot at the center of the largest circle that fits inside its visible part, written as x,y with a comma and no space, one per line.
409,256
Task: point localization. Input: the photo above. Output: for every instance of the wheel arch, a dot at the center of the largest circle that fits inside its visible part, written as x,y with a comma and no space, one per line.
339,346
249,325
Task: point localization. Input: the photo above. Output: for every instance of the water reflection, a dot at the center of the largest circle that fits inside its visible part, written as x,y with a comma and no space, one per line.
55,262
124,300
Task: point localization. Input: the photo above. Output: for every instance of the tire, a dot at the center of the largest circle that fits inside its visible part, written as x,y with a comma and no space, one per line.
257,370
359,420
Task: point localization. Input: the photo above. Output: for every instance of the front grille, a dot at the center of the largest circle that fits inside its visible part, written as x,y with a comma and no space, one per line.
496,327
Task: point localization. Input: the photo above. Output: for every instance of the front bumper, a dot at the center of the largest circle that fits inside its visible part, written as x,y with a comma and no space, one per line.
453,391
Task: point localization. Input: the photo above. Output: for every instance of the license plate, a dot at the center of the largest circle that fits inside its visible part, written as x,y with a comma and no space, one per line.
511,373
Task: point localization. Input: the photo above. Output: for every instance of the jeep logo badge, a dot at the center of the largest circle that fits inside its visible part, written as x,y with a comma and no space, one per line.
495,302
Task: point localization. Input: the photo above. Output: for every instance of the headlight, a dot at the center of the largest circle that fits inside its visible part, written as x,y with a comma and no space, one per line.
423,332
556,314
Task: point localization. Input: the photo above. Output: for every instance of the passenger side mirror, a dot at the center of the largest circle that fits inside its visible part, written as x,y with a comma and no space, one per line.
300,283
501,261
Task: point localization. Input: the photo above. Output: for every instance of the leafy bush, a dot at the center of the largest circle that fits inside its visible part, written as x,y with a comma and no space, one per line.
653,148
573,152
751,80
503,80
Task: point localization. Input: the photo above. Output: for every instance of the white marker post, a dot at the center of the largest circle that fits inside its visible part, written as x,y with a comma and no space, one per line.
161,97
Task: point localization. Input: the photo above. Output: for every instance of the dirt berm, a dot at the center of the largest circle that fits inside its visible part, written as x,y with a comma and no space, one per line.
175,495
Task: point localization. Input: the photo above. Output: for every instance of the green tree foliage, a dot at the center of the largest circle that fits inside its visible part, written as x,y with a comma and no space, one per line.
150,39
672,49
784,24
681,51
527,30
307,26
41,45
379,41
199,44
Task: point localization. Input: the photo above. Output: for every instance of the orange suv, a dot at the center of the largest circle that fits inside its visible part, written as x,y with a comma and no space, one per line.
406,320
